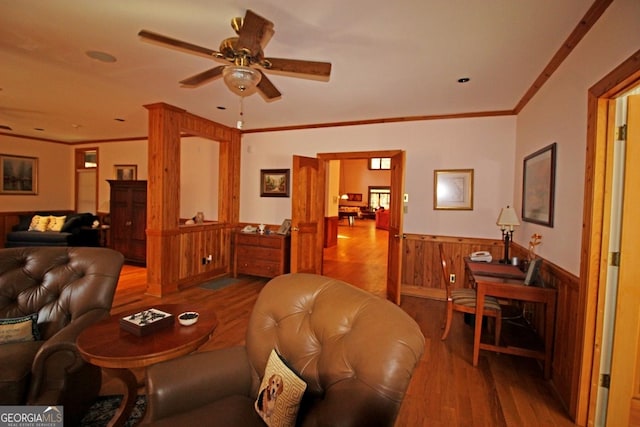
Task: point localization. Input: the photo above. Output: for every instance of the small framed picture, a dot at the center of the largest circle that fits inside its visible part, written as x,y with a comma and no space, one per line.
19,174
453,189
274,183
126,172
285,228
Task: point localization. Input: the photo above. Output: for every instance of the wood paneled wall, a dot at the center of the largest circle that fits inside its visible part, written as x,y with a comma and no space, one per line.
197,242
422,277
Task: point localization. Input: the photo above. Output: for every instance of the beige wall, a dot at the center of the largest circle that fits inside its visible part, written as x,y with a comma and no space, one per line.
199,174
558,113
358,178
483,144
55,175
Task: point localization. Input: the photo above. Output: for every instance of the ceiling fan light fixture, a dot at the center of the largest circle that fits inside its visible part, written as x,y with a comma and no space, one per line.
241,80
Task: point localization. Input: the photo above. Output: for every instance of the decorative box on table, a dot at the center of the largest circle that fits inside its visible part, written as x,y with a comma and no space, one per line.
146,322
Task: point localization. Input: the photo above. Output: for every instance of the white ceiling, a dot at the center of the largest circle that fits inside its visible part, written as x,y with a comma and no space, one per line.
390,59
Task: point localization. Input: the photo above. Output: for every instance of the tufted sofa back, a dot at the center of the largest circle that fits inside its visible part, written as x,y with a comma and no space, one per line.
59,283
356,351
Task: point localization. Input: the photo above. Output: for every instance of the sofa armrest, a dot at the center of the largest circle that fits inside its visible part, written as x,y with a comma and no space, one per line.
189,382
59,355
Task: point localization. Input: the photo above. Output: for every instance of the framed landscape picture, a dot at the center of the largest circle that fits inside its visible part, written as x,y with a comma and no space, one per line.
19,174
538,186
274,183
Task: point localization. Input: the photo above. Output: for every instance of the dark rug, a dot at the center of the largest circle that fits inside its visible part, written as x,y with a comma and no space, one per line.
220,283
101,412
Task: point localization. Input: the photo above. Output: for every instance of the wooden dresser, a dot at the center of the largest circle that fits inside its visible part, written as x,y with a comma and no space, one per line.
264,255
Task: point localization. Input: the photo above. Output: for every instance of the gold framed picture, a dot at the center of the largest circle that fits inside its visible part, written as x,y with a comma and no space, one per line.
453,189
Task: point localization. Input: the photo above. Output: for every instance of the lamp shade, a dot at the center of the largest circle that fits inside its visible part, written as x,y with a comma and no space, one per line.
242,81
507,218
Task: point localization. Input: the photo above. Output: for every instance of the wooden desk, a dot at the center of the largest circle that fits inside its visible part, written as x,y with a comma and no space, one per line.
117,351
506,281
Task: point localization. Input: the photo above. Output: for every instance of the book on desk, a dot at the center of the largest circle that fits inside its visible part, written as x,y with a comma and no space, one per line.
508,271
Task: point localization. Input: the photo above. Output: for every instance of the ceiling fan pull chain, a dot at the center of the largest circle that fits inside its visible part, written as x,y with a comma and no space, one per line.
240,122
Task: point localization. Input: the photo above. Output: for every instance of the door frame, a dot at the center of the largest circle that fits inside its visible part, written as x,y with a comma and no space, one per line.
79,165
592,262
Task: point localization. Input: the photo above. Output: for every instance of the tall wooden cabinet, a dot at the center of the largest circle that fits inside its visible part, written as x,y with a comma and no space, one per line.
129,219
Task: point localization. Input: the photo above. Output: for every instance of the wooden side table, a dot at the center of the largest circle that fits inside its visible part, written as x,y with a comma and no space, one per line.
117,351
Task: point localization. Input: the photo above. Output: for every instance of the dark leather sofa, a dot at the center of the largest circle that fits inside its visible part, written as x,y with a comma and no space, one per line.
355,351
69,289
76,231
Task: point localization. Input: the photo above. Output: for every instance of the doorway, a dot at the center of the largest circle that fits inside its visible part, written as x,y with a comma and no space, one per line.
86,166
390,270
595,253
359,248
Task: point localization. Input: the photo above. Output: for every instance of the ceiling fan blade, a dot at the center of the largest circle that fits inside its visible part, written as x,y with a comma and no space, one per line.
267,88
255,33
202,78
179,44
298,66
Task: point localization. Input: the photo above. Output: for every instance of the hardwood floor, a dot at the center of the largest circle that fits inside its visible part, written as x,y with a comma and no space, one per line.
446,390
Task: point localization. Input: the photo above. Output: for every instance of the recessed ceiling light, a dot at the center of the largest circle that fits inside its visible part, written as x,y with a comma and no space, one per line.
220,107
100,56
39,129
463,80
118,119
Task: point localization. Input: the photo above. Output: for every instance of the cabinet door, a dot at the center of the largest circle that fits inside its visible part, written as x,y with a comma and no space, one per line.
138,233
120,219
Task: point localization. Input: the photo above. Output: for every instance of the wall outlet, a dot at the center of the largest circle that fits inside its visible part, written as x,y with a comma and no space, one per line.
452,278
204,261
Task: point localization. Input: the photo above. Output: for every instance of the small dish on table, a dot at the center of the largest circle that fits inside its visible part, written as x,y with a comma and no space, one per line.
188,318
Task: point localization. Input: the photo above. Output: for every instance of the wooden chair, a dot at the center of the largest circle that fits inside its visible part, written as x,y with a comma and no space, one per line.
464,300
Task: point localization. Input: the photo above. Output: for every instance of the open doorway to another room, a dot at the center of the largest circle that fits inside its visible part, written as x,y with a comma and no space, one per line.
358,254
86,164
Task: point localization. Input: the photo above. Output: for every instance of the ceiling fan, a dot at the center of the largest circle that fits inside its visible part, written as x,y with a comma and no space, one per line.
245,52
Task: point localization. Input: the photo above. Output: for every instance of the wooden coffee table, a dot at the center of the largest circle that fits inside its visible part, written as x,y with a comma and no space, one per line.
117,351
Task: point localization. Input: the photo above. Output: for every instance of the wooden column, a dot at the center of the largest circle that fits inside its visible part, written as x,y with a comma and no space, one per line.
163,198
229,184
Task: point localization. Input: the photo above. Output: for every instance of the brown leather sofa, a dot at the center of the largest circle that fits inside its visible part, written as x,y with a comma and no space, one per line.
70,289
355,351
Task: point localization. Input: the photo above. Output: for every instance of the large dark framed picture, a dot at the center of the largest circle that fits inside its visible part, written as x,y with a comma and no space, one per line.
19,174
274,183
538,186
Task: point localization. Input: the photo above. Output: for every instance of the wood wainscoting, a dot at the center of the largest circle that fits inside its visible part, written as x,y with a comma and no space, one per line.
197,242
422,277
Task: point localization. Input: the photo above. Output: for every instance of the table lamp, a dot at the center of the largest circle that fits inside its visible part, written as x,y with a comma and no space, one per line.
507,220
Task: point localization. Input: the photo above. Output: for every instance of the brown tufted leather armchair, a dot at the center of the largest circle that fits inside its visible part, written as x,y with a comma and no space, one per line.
70,289
356,352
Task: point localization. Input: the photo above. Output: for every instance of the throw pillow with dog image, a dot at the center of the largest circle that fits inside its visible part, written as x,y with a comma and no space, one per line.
280,393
